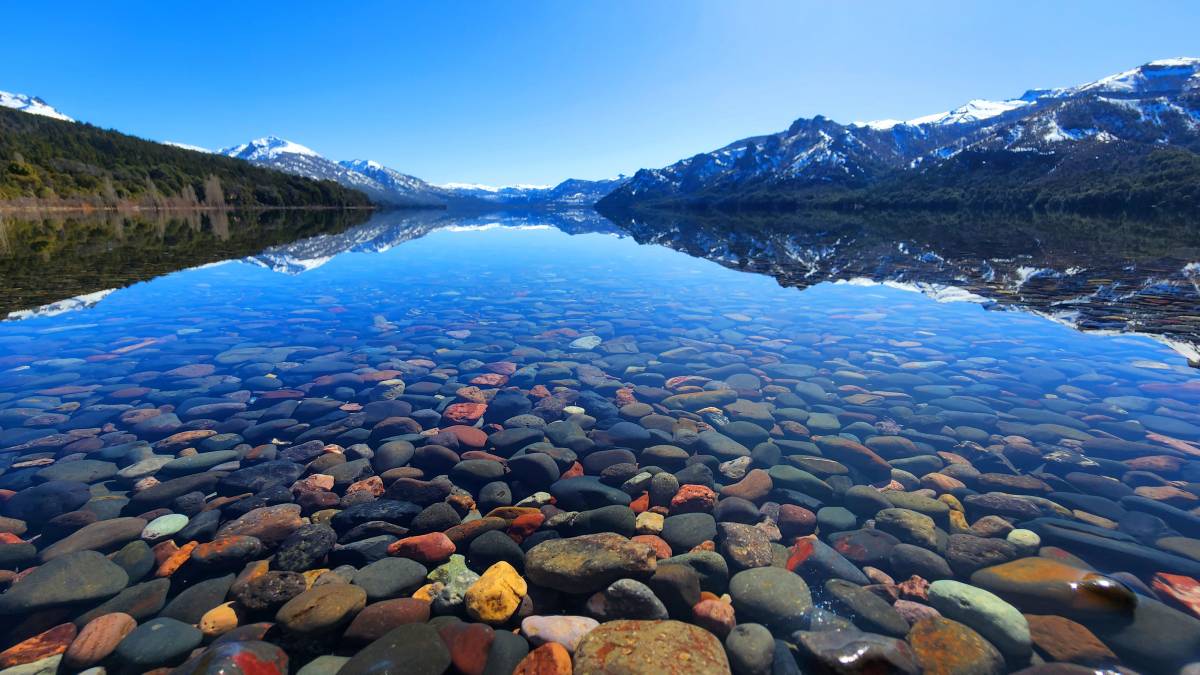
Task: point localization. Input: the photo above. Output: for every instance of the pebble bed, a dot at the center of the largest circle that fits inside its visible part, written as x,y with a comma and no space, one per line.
619,460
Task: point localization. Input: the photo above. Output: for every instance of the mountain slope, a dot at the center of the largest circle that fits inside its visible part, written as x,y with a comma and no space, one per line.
1047,136
50,162
382,185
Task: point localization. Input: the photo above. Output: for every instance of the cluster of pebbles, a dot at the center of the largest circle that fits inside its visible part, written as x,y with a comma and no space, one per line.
651,487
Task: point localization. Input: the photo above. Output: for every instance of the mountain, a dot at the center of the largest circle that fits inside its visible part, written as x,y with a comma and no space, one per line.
387,186
387,229
572,192
51,162
1130,139
382,185
31,104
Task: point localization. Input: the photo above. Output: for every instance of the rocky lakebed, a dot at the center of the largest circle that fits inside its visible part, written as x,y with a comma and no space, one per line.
516,451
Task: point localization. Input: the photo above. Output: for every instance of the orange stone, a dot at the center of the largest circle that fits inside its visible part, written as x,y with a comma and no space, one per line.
661,548
549,659
489,380
176,560
641,503
374,485
1168,494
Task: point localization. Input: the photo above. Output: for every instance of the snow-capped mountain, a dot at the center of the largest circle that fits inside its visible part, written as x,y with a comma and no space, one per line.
1153,105
387,186
32,105
389,178
570,192
382,185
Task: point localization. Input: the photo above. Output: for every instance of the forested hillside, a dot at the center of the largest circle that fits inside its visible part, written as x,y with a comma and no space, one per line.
49,162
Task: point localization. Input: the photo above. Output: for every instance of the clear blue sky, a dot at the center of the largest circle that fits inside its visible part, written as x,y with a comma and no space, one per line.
534,92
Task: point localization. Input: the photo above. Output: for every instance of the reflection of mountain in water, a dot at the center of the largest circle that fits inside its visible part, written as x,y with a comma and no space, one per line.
1093,275
388,229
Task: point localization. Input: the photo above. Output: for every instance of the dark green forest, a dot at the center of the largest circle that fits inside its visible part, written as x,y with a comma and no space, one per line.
49,162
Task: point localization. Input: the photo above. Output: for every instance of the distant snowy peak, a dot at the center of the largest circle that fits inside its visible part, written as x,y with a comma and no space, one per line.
1162,76
1157,77
975,110
32,105
267,148
479,187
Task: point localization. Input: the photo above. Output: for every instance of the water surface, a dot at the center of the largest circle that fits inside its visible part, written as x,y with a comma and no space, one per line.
1071,416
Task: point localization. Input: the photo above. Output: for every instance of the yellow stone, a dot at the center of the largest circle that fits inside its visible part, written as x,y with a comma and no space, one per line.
497,595
951,501
324,515
427,592
218,620
310,576
649,522
958,523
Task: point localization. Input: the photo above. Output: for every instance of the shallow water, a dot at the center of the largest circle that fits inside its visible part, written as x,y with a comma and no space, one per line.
570,310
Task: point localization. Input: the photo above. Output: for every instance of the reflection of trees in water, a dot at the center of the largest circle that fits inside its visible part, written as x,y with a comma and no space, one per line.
49,257
1091,273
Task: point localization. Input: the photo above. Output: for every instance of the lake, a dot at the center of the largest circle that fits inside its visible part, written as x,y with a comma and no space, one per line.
817,416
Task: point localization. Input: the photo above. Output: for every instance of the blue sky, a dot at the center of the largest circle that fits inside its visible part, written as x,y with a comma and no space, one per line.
534,92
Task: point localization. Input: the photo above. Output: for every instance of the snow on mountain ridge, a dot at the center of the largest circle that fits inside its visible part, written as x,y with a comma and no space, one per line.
31,104
186,146
266,148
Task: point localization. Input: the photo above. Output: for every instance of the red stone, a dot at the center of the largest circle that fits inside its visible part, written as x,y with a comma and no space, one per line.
464,413
501,367
715,616
661,548
489,380
54,641
693,499
799,553
434,547
915,588
380,617
1185,591
796,521
573,472
468,436
524,525
468,644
